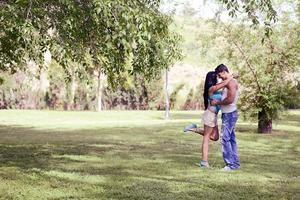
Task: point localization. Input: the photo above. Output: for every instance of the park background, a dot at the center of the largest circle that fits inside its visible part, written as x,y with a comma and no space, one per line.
82,127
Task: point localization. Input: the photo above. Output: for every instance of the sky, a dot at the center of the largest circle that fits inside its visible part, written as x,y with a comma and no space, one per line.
205,10
209,9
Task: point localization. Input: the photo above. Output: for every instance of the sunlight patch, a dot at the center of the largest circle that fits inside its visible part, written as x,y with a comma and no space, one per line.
77,177
80,158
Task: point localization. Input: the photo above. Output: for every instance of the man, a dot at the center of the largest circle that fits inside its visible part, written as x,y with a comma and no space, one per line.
229,119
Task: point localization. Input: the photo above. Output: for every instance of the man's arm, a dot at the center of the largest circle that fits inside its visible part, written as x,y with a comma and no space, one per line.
218,86
231,86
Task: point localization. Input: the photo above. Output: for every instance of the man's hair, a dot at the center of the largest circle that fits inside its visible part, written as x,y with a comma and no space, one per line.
221,68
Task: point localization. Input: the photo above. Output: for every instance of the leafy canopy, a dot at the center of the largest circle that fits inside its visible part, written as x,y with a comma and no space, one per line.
118,36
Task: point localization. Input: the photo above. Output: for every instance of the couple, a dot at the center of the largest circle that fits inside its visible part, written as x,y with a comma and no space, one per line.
219,96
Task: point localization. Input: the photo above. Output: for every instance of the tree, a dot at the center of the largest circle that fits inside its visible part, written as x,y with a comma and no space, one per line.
120,36
258,11
266,62
174,95
188,10
267,77
266,69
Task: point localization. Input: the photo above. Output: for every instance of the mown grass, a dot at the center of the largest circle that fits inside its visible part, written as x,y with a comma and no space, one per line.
138,155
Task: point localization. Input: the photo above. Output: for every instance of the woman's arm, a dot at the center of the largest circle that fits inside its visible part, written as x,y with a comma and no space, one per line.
218,86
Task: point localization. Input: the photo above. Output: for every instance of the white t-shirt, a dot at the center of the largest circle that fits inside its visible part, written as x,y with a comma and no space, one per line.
230,107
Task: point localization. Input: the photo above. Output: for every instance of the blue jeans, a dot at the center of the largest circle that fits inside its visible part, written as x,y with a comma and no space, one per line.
229,146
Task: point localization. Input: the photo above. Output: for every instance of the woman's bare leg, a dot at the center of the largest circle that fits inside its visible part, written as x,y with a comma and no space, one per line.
215,134
207,132
197,130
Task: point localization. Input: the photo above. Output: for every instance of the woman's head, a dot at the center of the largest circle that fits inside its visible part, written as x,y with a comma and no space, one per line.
210,80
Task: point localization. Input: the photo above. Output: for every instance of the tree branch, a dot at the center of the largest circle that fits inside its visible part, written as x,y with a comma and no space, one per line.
242,52
29,10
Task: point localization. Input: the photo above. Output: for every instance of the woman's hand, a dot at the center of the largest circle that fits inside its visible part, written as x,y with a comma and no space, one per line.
214,102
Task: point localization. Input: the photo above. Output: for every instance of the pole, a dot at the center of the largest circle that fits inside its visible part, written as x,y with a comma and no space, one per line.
167,102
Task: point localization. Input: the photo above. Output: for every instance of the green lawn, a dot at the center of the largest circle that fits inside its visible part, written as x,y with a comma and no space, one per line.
138,155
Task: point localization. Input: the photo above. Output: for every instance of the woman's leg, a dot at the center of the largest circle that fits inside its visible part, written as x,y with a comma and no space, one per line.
215,134
197,130
207,132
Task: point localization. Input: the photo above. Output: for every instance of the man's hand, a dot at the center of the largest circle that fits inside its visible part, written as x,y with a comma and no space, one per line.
214,102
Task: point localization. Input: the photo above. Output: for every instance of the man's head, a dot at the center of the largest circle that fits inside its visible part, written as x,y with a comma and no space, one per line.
222,71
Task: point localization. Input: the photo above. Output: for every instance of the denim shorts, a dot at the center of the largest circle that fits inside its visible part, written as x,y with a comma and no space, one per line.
209,118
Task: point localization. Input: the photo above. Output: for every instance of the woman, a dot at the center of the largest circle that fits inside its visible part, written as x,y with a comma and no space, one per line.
210,131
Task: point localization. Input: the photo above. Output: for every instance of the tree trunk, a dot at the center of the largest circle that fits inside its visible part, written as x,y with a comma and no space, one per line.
264,123
99,91
144,96
167,112
71,91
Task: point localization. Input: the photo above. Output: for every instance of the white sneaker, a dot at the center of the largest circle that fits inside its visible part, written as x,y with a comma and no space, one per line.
203,164
226,168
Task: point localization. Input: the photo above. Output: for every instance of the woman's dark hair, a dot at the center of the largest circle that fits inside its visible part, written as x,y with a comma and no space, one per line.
210,80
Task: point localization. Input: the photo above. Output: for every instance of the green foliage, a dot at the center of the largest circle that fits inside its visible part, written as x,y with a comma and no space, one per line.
20,91
188,102
188,28
85,96
268,71
23,34
194,99
268,78
255,10
174,95
135,95
119,36
56,93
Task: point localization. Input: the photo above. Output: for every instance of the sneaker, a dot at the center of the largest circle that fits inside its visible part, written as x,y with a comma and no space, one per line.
188,127
226,168
203,164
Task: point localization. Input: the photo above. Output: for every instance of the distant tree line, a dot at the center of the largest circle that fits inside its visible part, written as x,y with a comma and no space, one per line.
50,90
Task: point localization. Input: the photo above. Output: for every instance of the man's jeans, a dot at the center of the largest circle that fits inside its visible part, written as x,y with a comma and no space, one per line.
229,146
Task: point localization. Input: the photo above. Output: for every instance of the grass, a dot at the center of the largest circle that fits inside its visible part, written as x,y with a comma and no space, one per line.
138,155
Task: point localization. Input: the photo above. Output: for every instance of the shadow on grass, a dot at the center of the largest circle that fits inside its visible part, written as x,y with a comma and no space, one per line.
30,148
187,115
249,128
134,163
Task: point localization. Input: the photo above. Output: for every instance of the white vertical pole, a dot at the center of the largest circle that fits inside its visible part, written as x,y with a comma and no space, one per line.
99,91
167,102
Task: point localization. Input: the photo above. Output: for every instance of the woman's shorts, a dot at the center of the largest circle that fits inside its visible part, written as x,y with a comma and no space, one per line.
209,118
